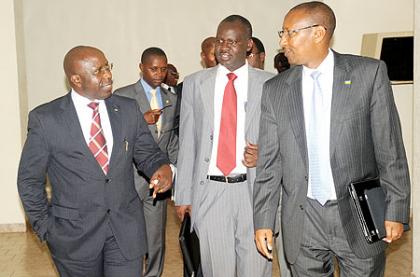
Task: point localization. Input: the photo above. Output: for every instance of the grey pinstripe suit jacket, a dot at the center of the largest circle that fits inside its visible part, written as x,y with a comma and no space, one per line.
365,141
196,132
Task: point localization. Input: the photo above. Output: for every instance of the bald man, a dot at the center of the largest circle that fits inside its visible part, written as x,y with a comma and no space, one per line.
327,122
85,143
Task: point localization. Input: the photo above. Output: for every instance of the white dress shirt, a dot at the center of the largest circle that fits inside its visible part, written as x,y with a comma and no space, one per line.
84,113
241,87
326,82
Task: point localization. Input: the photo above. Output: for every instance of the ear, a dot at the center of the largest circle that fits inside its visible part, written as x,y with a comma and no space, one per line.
262,56
320,34
76,81
250,44
141,67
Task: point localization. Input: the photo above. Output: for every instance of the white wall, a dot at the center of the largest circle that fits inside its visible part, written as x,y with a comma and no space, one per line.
11,214
123,29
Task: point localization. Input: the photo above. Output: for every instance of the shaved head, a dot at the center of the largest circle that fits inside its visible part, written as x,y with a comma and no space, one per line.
320,13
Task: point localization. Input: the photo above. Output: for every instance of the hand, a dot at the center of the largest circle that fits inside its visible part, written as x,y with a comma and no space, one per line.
182,210
264,241
250,155
161,180
394,231
152,116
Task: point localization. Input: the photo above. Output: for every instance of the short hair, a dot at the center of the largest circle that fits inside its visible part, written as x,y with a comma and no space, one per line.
152,51
321,12
242,20
258,44
207,43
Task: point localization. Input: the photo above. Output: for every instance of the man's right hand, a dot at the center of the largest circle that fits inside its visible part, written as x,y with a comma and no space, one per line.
152,116
181,210
264,241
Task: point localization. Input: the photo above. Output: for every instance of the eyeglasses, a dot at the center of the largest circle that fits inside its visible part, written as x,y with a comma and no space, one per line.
103,69
294,32
229,42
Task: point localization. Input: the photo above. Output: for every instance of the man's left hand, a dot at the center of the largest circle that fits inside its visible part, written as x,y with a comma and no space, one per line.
161,180
394,231
250,155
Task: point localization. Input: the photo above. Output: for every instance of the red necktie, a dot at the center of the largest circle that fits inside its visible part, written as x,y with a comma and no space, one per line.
97,142
226,151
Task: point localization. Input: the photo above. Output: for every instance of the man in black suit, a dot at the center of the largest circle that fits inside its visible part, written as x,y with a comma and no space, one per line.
85,143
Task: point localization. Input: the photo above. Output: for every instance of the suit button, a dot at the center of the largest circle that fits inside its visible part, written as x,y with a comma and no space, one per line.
306,178
108,180
201,183
108,211
206,160
301,207
211,137
156,131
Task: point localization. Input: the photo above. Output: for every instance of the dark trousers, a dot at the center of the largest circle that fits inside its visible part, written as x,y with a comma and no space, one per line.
324,239
110,263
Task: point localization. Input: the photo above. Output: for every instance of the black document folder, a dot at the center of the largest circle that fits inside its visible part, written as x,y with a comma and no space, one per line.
190,248
369,200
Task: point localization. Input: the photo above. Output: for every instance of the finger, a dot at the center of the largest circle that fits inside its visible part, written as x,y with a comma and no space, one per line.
153,183
388,230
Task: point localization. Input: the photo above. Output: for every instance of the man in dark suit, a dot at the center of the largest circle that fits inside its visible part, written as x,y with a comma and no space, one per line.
85,143
161,120
218,147
328,121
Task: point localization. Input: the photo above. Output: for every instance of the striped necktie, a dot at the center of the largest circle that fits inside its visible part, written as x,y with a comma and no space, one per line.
97,142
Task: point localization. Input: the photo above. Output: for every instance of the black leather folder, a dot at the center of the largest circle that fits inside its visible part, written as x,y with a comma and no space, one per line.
369,199
190,247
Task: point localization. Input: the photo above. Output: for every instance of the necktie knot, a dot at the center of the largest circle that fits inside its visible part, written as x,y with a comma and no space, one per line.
153,92
315,75
93,105
231,76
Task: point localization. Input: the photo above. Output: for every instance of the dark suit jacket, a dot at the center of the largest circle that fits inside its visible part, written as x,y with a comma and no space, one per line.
365,141
84,200
167,141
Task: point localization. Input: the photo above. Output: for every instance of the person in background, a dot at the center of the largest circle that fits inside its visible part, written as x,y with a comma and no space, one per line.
85,143
327,122
158,107
256,57
171,80
280,62
208,59
218,152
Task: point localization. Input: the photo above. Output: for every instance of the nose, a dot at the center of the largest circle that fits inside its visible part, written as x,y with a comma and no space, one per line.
283,41
107,74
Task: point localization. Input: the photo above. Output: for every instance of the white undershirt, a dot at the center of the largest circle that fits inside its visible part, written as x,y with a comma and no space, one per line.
241,87
84,113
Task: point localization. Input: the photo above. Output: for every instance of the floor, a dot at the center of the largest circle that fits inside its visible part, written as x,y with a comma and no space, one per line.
21,255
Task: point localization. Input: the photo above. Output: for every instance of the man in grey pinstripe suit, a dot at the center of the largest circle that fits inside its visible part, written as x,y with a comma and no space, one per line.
221,202
361,138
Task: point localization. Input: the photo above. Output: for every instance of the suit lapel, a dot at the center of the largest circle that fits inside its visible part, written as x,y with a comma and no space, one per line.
144,104
207,93
114,115
73,128
252,103
295,106
340,98
165,101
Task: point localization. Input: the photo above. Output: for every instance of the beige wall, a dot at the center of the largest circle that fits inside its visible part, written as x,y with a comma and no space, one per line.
11,215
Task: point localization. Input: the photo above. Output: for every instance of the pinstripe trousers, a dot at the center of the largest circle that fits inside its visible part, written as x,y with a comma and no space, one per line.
225,228
324,239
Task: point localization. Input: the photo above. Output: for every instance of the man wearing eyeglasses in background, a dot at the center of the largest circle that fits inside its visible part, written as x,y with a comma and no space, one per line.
256,57
158,107
86,142
217,156
328,121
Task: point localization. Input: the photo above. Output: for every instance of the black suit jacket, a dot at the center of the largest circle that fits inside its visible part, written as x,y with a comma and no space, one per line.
84,199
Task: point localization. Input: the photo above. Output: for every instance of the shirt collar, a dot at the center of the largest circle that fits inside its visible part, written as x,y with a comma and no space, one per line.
327,65
238,72
81,100
147,87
